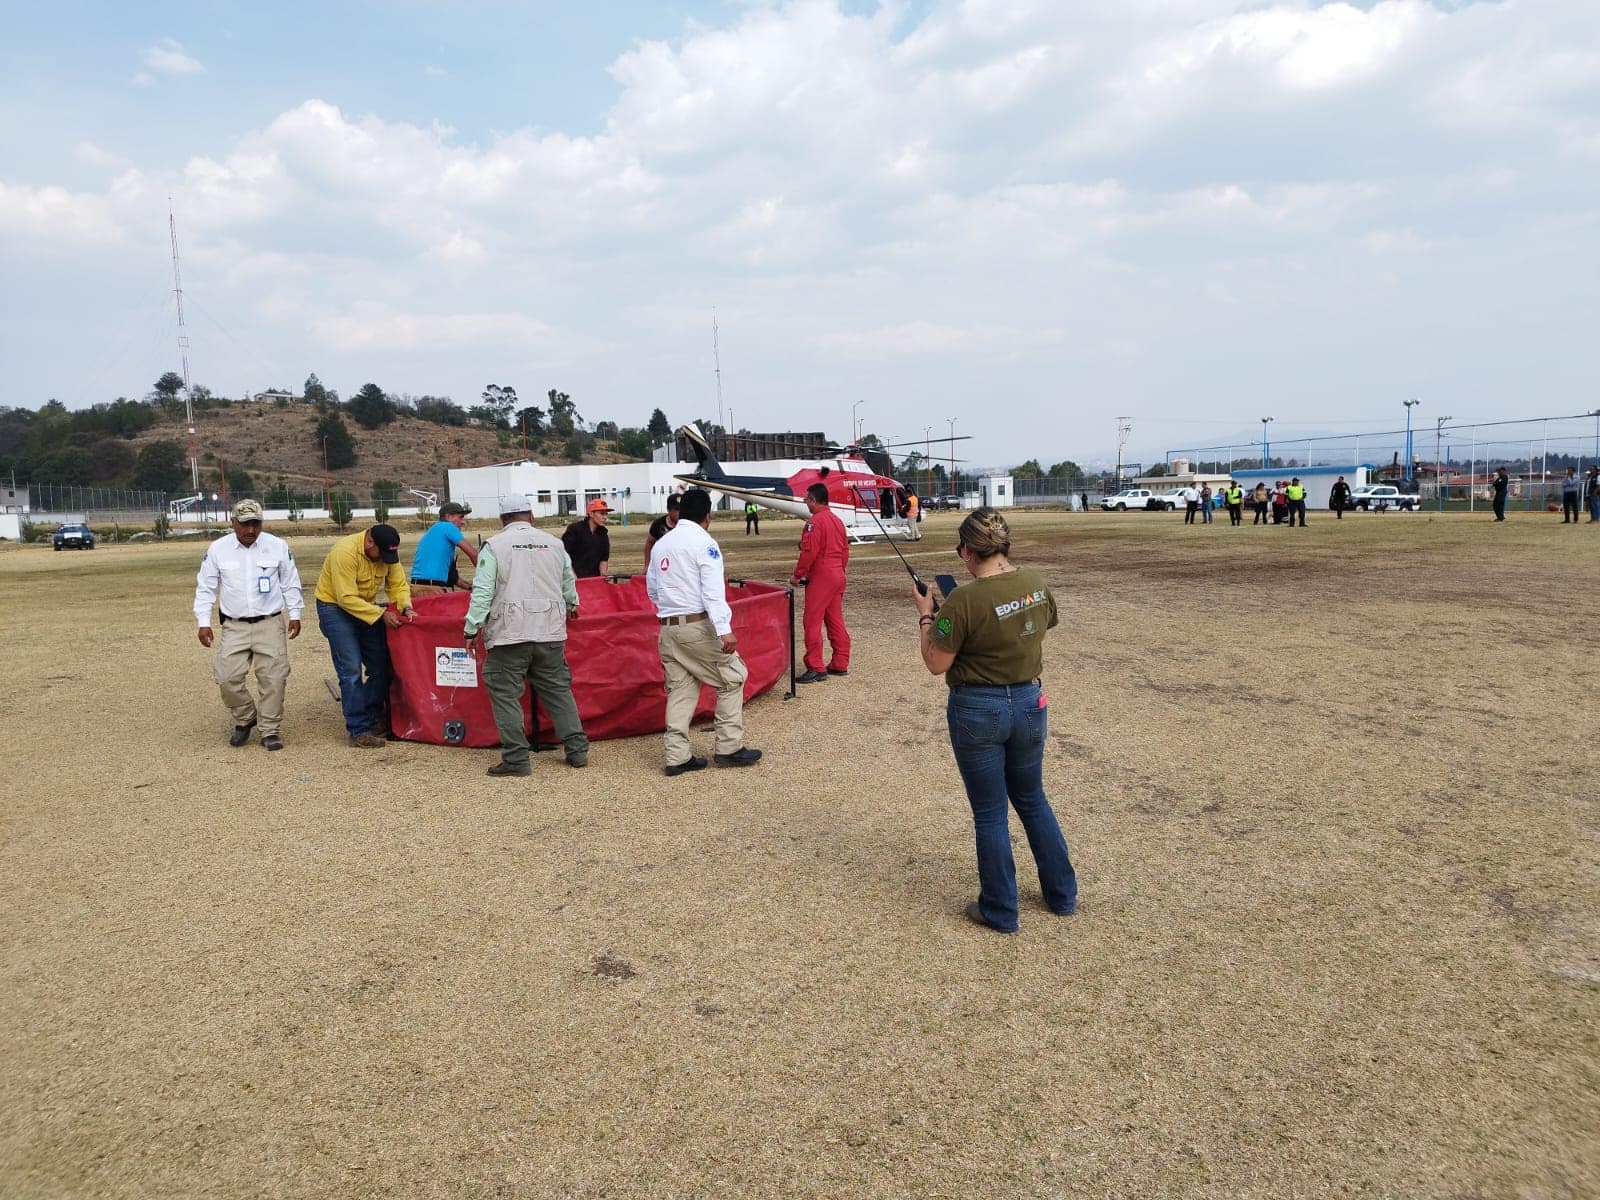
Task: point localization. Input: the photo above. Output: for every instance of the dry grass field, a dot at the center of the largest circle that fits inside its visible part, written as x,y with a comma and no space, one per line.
1331,793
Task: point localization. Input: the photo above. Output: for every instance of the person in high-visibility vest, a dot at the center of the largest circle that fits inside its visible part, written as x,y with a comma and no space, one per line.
1235,500
913,517
752,518
1296,493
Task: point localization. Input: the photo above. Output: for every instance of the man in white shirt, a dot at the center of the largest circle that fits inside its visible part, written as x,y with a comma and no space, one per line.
1191,503
697,644
251,577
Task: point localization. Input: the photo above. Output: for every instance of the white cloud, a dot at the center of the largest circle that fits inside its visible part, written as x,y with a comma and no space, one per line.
168,57
375,327
1089,196
435,72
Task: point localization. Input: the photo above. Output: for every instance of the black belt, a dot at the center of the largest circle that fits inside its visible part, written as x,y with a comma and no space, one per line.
432,582
246,620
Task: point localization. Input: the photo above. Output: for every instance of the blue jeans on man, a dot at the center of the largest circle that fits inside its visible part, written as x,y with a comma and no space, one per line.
998,734
357,646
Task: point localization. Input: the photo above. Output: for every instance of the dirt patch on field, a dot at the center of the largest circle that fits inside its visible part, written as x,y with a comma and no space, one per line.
1330,792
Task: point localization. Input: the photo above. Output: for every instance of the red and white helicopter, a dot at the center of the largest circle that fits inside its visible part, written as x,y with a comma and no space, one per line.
860,489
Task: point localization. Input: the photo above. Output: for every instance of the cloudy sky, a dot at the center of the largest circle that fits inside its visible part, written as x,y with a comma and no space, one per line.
1029,215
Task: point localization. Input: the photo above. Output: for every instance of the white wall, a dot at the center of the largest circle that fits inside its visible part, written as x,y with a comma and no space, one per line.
11,526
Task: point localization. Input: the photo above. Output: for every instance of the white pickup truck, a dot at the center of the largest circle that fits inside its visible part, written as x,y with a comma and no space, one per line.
1126,499
1382,497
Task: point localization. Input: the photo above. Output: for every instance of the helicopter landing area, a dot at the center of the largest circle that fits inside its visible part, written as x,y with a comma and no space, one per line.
1330,793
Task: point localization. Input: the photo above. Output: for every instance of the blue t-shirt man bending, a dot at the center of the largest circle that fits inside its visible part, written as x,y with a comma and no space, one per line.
435,563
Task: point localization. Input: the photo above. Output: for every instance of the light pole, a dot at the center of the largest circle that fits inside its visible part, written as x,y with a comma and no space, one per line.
927,461
1596,415
1410,404
1438,468
1264,453
855,435
952,445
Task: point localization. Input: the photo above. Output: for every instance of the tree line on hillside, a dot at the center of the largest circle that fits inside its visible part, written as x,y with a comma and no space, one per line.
90,447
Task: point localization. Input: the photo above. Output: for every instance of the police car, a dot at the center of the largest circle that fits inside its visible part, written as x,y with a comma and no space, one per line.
1382,497
74,537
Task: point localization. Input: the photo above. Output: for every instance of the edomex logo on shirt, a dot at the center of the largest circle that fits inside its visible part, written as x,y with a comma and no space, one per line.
1021,604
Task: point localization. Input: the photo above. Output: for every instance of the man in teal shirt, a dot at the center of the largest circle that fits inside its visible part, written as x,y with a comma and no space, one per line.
433,569
522,594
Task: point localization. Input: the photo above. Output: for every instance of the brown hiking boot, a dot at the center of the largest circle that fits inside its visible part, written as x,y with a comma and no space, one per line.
367,741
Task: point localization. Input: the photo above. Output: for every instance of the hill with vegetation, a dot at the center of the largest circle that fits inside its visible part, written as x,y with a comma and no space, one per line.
274,447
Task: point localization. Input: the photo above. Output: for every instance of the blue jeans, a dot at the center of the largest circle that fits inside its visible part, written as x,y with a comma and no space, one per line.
1594,507
354,644
997,734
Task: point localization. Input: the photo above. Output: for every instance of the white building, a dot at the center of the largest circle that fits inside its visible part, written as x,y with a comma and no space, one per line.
995,491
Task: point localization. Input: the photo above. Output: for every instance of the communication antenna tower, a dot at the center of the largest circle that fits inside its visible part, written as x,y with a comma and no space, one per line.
1124,428
183,349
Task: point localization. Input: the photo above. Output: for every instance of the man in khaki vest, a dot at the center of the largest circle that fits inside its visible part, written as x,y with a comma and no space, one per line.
522,593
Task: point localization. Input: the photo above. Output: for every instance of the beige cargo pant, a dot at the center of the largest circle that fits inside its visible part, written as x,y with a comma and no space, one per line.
263,645
692,655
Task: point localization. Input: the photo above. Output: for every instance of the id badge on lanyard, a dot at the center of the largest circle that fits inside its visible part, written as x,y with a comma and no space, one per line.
264,585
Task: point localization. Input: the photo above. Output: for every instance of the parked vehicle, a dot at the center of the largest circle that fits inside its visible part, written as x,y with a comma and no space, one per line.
1167,501
1381,497
74,537
1128,498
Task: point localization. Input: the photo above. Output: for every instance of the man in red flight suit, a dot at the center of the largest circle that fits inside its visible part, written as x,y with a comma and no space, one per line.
824,552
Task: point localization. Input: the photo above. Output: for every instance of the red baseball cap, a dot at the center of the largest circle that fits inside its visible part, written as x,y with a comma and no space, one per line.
598,505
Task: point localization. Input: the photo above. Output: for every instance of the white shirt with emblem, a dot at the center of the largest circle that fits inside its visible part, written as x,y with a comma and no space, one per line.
685,576
254,582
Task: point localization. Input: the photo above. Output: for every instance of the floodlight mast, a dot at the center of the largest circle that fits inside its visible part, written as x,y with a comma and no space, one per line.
1410,458
1438,462
1124,427
183,349
1265,452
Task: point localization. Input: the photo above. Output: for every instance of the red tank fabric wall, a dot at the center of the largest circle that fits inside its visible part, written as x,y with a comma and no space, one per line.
611,651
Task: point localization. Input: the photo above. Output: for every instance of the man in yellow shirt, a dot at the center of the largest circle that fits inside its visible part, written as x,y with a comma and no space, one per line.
356,628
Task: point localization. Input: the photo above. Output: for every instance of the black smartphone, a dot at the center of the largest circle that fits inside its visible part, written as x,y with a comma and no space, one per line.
947,584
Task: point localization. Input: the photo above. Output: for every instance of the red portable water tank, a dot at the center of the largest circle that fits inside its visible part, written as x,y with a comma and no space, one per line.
438,695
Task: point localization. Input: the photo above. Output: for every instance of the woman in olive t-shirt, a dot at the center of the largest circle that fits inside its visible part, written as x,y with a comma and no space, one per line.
988,643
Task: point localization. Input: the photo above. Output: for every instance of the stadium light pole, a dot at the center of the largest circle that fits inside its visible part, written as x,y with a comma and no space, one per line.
1410,404
1596,415
1264,452
1438,469
952,448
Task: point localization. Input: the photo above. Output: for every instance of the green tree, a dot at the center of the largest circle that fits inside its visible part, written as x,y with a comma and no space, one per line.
331,431
314,392
341,507
659,429
110,460
564,415
573,449
1156,471
161,467
441,410
240,483
370,408
530,421
278,494
497,406
1028,470
636,443
385,489
169,385
1067,468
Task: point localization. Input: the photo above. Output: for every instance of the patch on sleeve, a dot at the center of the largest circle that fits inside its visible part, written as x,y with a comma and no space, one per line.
808,527
943,626
713,552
